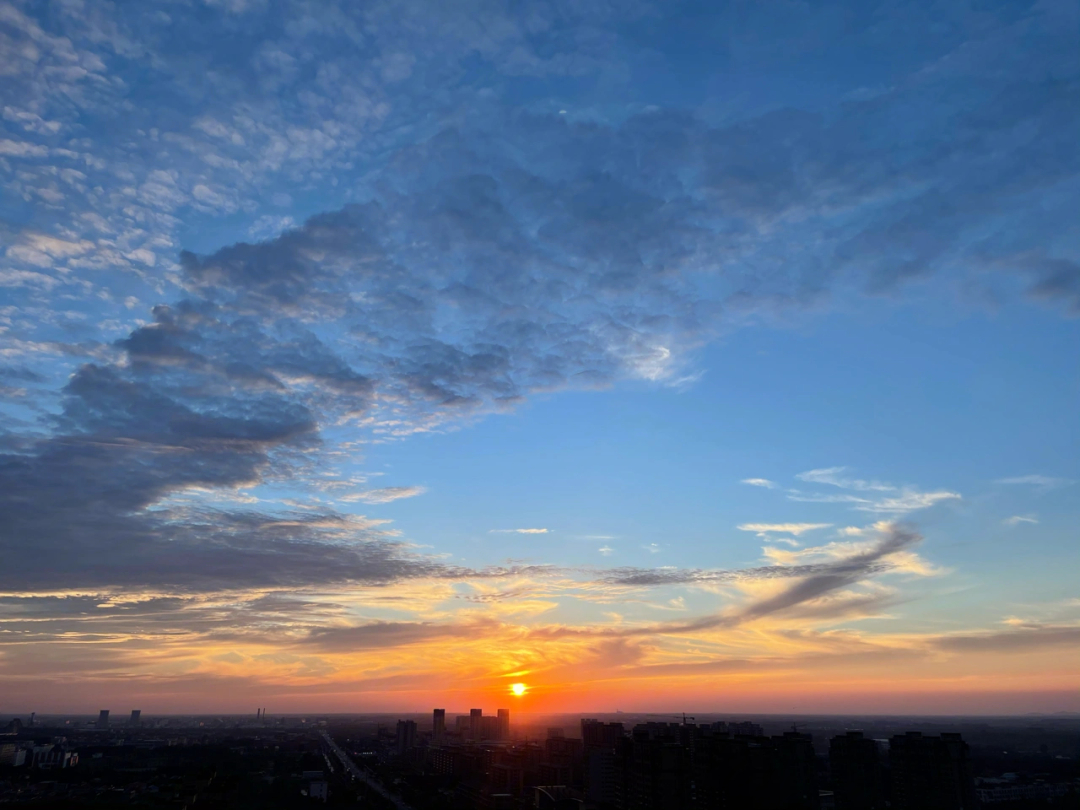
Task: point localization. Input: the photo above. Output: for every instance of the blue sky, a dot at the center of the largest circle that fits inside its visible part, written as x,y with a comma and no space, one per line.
727,335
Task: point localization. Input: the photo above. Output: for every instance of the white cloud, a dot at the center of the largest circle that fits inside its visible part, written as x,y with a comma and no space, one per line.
1035,480
1016,520
269,226
519,531
21,149
607,551
763,529
652,548
759,482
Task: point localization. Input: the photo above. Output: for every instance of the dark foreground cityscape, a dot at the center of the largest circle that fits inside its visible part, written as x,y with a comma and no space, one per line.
482,762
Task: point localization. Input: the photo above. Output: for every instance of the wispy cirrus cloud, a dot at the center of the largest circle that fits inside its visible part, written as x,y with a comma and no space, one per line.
874,496
383,494
834,476
765,529
1035,480
1016,520
519,531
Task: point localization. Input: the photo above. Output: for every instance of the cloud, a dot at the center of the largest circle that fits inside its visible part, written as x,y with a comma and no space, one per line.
1016,520
832,476
759,482
1025,637
473,251
764,529
383,494
1035,480
607,551
906,499
518,531
386,635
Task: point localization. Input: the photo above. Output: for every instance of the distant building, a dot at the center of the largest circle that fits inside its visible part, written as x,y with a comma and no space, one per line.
504,724
103,719
476,724
489,728
406,735
438,726
745,729
319,790
12,755
50,757
856,772
136,716
555,732
930,773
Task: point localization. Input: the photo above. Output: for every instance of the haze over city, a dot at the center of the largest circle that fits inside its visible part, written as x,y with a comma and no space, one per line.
559,358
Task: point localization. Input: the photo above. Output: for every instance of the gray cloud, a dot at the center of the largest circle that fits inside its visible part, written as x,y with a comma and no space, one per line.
1018,639
381,635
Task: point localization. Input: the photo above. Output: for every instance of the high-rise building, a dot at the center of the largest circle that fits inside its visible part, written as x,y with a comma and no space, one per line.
654,772
795,768
438,726
856,772
489,728
476,724
930,773
599,742
600,735
504,724
136,717
103,719
406,735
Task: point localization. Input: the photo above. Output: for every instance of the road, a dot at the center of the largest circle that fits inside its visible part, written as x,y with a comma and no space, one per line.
362,775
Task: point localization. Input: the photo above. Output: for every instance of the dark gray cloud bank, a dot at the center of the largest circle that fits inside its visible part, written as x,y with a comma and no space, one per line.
513,252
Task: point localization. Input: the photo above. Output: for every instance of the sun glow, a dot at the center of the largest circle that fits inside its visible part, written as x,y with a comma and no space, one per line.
518,689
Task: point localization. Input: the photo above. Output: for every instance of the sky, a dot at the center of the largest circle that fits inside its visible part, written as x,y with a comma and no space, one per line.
660,356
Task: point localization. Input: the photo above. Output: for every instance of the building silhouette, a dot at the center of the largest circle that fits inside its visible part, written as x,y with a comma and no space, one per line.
749,772
476,724
599,741
503,724
438,726
653,769
406,736
103,719
857,775
930,773
136,718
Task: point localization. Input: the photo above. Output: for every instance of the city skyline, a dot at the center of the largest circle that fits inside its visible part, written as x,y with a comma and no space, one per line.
704,357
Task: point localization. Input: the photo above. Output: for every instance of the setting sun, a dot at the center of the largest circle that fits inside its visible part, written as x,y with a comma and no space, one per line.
518,689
